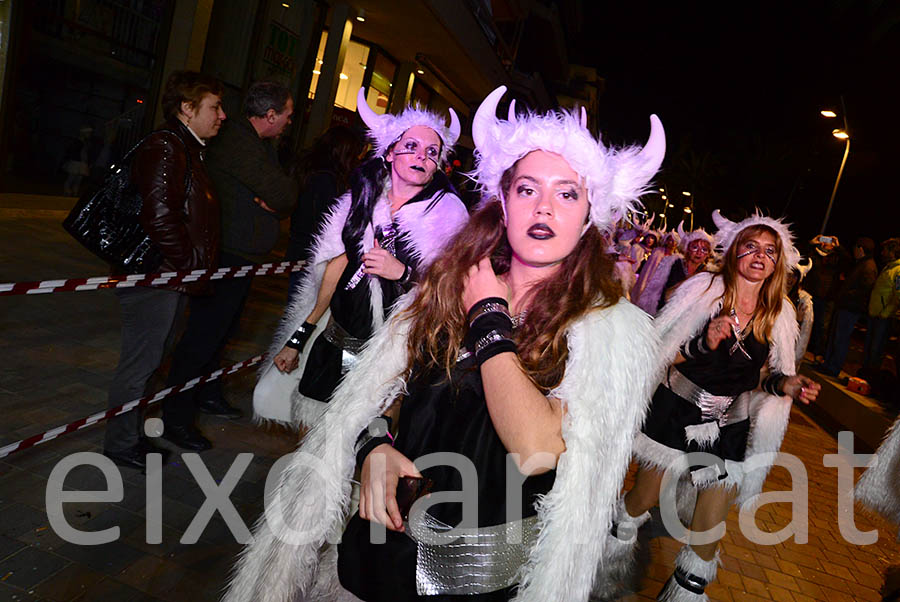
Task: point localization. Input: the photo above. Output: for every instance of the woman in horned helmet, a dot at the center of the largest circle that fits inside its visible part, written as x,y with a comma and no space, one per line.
668,246
729,338
377,241
631,247
696,249
514,379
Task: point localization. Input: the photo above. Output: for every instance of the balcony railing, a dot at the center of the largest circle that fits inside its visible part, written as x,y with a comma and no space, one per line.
125,33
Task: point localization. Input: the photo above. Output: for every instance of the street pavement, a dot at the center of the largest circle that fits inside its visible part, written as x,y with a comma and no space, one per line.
57,355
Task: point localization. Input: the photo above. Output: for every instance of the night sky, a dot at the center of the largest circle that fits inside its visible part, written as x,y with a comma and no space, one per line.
739,87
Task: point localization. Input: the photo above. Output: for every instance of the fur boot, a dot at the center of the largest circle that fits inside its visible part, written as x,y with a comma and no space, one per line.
692,575
614,573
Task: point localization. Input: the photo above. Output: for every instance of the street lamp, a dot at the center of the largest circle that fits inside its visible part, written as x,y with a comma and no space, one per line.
840,134
664,195
689,209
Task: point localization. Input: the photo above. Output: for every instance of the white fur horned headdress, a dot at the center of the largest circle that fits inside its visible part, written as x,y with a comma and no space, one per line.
686,238
614,178
728,231
386,129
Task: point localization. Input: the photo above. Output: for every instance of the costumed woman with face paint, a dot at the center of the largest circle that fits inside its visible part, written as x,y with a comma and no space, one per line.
375,243
515,358
696,249
730,338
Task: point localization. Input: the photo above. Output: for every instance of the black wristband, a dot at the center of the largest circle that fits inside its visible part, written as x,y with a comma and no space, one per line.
488,305
375,434
407,275
773,383
490,329
696,346
299,338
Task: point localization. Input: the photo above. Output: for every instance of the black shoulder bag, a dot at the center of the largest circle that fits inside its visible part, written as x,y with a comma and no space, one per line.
107,221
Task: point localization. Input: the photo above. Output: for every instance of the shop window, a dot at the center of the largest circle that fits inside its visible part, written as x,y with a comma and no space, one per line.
351,74
351,77
421,94
317,68
380,87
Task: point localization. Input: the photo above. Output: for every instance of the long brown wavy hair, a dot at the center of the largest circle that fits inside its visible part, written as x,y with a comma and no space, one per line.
584,281
772,292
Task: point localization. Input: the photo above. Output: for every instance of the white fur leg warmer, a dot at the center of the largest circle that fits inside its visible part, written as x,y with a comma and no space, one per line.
615,567
692,575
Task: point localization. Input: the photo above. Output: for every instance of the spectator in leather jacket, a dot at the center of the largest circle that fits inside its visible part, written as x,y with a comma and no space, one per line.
180,213
256,193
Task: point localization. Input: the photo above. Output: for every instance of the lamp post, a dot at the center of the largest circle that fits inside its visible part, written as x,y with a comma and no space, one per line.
689,209
665,200
840,134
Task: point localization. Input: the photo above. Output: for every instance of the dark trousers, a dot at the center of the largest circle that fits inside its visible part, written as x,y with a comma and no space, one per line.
212,320
823,311
839,343
876,336
149,316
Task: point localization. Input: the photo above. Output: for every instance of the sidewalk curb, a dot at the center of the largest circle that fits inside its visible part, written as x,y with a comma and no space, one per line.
848,410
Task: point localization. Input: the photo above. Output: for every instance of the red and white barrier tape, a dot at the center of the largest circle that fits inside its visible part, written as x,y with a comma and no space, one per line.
159,279
126,407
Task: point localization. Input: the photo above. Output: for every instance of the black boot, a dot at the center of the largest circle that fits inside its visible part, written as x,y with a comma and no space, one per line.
692,575
219,407
187,437
136,456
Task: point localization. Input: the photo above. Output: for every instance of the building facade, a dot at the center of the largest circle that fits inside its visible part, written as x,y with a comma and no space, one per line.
77,66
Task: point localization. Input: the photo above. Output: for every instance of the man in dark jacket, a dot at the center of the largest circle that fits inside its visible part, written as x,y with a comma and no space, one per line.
851,304
255,193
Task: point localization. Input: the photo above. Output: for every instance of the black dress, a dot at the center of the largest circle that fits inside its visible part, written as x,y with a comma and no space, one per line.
352,310
438,416
719,372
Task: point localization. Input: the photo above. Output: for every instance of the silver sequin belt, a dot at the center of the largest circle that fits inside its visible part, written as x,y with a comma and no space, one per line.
340,338
468,561
712,407
349,346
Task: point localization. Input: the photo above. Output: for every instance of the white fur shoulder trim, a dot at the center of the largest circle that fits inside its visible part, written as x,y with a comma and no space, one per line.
612,370
879,486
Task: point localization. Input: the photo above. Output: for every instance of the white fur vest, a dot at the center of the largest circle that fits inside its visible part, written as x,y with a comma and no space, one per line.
879,486
276,396
612,368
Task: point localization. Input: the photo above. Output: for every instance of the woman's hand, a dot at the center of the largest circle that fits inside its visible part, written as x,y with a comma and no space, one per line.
381,471
801,388
719,330
481,282
287,360
381,263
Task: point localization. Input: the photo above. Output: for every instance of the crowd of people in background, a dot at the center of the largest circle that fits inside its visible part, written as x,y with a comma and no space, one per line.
852,288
